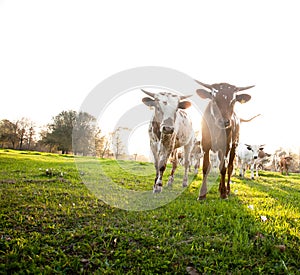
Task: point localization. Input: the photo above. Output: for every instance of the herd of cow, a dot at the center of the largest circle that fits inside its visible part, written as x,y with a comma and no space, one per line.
171,128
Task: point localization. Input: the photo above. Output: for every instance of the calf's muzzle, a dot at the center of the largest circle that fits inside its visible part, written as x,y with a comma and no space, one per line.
167,130
167,127
223,123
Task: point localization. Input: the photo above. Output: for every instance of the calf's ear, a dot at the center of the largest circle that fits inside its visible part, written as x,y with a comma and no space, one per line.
184,104
148,101
204,94
243,98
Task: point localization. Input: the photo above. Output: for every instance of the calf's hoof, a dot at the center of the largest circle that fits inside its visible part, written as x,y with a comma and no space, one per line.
157,189
170,181
185,182
223,196
202,197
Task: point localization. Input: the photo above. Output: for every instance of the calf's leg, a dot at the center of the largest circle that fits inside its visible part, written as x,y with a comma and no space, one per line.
206,168
252,171
230,168
222,187
157,188
174,166
187,155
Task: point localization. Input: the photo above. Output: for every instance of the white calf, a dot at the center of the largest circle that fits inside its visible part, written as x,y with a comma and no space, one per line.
247,155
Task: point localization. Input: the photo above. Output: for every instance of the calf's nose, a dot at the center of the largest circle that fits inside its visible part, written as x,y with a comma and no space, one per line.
167,130
224,122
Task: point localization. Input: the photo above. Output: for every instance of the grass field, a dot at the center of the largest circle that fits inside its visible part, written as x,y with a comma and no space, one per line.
50,223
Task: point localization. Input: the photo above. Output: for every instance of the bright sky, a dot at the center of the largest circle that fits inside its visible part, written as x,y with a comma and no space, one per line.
53,53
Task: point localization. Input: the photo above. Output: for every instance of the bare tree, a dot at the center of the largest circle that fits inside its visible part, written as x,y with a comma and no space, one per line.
31,134
102,144
25,131
117,142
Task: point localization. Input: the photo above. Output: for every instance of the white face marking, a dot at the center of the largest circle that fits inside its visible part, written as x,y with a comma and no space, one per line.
168,104
233,99
214,91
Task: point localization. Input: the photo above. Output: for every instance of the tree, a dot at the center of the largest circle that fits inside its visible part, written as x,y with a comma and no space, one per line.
31,133
25,132
8,134
84,133
117,142
102,144
72,131
46,142
60,131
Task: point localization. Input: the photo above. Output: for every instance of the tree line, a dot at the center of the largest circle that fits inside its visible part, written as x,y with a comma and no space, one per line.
68,132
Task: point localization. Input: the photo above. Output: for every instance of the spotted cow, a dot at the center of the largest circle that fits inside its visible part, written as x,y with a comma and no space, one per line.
169,129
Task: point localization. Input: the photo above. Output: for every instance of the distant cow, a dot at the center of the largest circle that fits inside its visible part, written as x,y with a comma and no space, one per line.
196,155
276,162
170,128
179,156
220,130
285,163
262,159
214,160
248,155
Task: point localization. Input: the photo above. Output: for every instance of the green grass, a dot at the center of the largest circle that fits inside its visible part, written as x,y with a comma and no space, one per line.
50,223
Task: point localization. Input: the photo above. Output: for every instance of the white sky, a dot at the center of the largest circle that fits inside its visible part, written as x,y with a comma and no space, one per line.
53,53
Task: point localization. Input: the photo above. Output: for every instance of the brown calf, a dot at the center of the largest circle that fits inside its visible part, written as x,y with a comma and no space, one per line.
220,130
285,163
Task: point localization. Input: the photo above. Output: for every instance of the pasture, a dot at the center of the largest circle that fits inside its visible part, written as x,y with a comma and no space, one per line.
50,223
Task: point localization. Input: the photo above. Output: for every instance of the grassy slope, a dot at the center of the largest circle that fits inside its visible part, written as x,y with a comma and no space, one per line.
50,223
